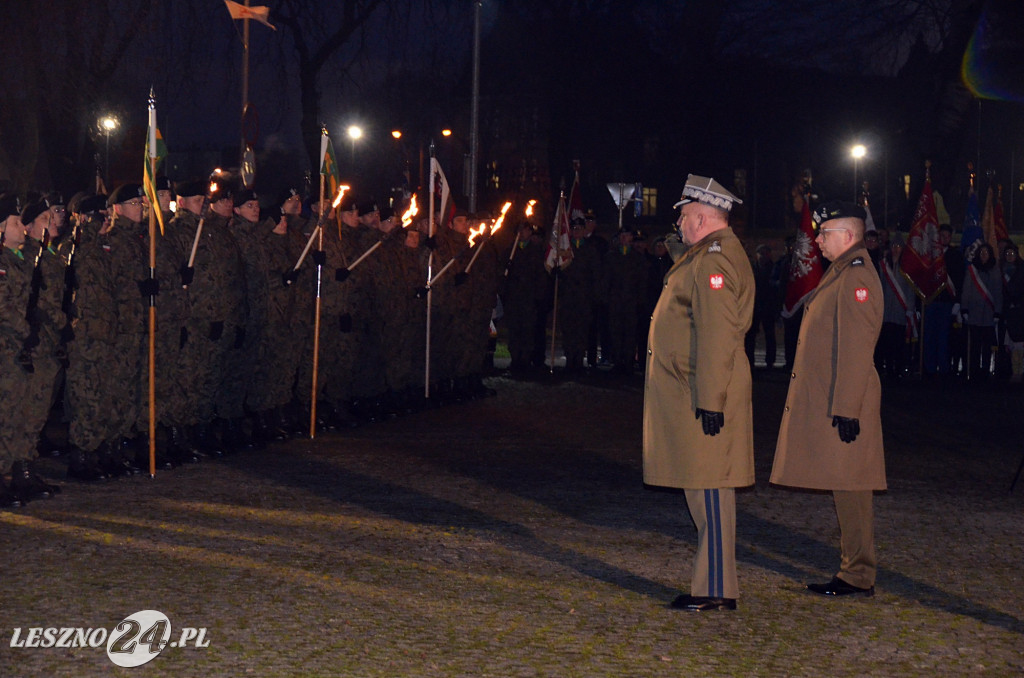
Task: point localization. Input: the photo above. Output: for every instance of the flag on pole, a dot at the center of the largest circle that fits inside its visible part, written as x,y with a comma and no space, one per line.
155,150
260,13
973,233
993,225
442,193
575,199
923,260
805,267
329,166
559,252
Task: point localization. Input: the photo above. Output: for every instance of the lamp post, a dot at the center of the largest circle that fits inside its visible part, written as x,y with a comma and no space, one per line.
108,124
858,151
354,132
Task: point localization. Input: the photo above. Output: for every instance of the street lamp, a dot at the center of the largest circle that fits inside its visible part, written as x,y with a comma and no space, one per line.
858,151
107,124
354,132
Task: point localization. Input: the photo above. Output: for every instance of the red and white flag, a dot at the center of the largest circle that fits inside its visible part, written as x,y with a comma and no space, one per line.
260,13
442,193
559,252
805,267
923,260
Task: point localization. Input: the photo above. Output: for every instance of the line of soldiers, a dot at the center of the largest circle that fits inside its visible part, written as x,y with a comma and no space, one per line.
234,323
605,297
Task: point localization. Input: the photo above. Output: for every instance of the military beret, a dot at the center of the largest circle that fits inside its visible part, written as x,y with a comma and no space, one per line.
190,189
163,183
9,205
578,221
32,211
124,193
460,212
92,204
837,209
348,203
220,192
287,195
589,215
244,196
55,198
707,191
386,212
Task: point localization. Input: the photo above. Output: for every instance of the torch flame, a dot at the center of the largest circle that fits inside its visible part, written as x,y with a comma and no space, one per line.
410,213
213,187
474,233
501,219
341,194
529,208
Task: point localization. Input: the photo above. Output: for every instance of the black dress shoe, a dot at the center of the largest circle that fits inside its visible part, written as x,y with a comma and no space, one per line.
702,603
82,467
7,498
838,587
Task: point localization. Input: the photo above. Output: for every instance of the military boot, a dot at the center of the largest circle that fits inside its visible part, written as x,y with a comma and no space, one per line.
181,449
112,462
207,442
81,466
27,486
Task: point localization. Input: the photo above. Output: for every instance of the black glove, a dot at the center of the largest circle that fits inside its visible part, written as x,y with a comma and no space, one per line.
148,287
420,292
849,428
460,278
216,330
319,258
25,361
430,243
345,322
182,337
239,337
67,334
188,274
341,275
711,422
70,279
290,277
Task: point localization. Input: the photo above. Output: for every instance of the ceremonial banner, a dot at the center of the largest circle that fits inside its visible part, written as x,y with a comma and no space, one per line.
805,267
559,252
155,149
259,13
923,259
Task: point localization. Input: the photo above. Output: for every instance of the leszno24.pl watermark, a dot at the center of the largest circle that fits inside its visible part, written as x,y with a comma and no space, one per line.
133,642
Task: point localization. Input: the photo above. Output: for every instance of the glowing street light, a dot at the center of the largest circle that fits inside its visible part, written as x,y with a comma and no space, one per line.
354,132
857,152
446,132
397,134
107,124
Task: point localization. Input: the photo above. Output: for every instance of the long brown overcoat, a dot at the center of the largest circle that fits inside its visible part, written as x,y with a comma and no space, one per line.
695,358
834,375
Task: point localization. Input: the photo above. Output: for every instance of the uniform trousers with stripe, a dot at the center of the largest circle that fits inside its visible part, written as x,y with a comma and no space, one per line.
714,567
855,510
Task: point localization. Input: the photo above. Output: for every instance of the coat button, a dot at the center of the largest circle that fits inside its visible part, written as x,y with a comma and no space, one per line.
650,352
787,408
792,375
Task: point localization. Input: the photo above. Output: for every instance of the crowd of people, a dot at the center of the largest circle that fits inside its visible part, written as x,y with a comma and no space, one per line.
973,329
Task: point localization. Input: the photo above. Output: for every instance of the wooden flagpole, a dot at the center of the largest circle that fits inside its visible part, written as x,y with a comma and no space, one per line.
316,316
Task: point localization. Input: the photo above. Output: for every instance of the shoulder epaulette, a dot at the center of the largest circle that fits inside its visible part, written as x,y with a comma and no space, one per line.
857,261
715,247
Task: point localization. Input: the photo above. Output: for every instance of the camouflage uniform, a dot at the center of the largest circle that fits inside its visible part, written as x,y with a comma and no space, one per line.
578,287
483,283
173,308
250,238
15,281
282,339
525,295
625,280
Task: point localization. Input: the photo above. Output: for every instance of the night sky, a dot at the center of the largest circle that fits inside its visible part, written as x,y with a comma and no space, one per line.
636,91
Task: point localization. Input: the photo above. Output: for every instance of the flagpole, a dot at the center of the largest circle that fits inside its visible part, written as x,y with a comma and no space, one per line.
316,315
245,82
152,298
430,270
554,319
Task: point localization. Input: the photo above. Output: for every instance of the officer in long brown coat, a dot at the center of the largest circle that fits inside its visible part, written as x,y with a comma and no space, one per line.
831,433
698,430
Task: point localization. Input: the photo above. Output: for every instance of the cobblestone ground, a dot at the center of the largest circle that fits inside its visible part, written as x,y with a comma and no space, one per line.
512,537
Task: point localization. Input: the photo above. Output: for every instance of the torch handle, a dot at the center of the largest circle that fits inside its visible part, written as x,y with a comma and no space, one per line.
305,250
441,272
475,255
195,243
365,254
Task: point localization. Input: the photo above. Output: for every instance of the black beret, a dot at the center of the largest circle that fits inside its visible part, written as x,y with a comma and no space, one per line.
9,204
220,192
460,213
244,196
589,215
124,193
163,183
348,203
578,221
92,204
837,209
190,189
55,198
287,195
368,207
32,211
386,212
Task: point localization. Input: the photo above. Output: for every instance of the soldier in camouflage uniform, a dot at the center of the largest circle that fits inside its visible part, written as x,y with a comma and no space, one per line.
475,335
369,382
15,280
300,228
216,329
578,287
39,366
624,283
89,390
525,297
